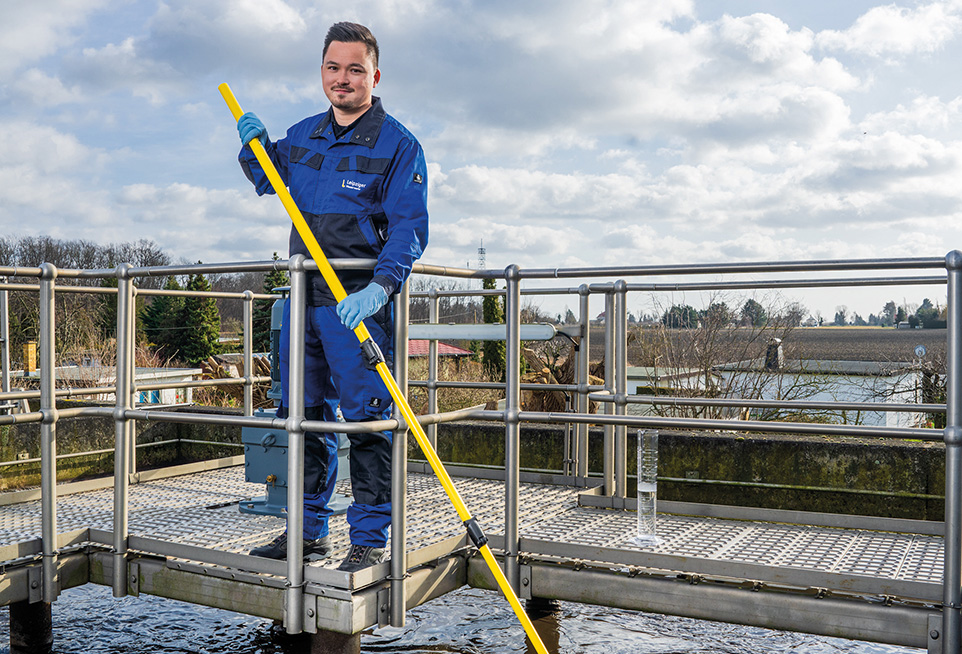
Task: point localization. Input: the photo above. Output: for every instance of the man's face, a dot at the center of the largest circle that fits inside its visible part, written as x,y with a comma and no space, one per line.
349,76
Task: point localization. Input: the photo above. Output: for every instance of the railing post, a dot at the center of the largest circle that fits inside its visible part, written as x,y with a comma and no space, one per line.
248,337
609,444
433,317
125,303
294,604
583,380
952,577
48,433
399,464
512,425
4,339
131,425
621,386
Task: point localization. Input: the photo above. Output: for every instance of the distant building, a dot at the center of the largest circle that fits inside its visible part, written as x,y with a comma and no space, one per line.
91,376
647,380
419,348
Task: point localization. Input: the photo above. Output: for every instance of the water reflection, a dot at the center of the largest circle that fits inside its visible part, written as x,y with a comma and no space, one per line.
89,620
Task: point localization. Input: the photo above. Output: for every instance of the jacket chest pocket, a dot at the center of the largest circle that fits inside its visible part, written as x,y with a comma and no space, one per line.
305,172
362,177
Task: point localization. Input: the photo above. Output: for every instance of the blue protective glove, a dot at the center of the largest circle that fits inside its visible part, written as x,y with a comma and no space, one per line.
358,306
249,126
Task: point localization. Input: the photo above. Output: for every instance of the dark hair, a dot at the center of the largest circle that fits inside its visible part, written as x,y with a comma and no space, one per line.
352,33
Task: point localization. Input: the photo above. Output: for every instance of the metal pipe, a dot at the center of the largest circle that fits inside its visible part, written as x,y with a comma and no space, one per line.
609,439
131,364
952,576
843,282
399,465
451,271
715,286
568,388
208,268
529,332
775,404
48,433
4,341
102,290
125,301
202,383
7,271
261,423
433,315
102,390
655,422
248,353
512,426
582,376
294,606
621,386
738,268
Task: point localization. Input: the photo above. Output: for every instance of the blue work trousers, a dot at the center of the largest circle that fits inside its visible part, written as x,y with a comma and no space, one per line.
335,371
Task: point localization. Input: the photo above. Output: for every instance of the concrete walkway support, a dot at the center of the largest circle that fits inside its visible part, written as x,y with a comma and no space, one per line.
332,642
31,628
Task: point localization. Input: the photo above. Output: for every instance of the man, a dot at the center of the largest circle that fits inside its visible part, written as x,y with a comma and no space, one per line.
360,180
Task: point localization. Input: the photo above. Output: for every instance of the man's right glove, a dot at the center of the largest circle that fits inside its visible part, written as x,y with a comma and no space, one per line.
249,127
360,305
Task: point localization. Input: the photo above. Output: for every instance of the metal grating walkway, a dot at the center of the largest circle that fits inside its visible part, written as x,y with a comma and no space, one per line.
201,510
909,557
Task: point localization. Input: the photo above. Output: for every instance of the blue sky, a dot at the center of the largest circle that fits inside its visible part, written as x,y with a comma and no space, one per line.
565,133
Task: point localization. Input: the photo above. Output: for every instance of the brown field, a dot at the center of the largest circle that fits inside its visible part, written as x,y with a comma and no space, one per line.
831,343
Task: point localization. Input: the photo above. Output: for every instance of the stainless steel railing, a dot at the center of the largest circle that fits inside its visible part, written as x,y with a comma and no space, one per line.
613,395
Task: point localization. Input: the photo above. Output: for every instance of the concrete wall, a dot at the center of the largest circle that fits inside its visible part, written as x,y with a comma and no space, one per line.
811,473
835,475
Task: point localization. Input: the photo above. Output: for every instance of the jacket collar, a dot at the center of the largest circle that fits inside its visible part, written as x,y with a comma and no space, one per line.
367,129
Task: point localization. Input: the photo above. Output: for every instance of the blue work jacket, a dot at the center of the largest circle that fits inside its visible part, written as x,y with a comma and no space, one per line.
363,195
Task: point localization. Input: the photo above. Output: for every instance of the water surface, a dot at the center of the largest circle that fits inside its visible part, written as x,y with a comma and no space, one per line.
470,621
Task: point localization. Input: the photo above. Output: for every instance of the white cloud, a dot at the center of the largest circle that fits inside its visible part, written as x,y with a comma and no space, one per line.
37,88
894,30
34,30
924,115
562,133
235,226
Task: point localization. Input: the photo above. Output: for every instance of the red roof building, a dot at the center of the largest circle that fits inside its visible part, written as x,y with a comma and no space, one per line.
419,348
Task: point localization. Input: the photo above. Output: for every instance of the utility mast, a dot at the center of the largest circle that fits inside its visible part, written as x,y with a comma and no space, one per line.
481,253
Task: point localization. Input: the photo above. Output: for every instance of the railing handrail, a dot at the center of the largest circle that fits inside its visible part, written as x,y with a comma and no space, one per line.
614,396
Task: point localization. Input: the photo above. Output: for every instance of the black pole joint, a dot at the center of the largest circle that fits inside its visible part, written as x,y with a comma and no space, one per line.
372,354
475,533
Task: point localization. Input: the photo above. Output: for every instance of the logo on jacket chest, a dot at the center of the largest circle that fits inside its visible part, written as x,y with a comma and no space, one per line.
352,185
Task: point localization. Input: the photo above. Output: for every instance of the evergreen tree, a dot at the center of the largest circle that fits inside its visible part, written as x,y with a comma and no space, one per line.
161,320
680,316
262,309
889,314
200,322
754,314
493,351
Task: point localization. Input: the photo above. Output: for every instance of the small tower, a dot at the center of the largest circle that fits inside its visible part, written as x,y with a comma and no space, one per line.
481,253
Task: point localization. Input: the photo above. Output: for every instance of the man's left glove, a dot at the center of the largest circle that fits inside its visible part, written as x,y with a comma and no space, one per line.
358,306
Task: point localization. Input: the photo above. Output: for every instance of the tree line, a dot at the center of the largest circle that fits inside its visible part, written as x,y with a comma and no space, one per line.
925,315
169,328
718,314
753,314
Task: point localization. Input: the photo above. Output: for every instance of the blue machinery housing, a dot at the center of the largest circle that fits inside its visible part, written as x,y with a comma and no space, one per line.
561,535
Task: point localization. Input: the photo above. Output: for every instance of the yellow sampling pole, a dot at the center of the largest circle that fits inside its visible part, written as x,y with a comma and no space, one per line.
373,355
